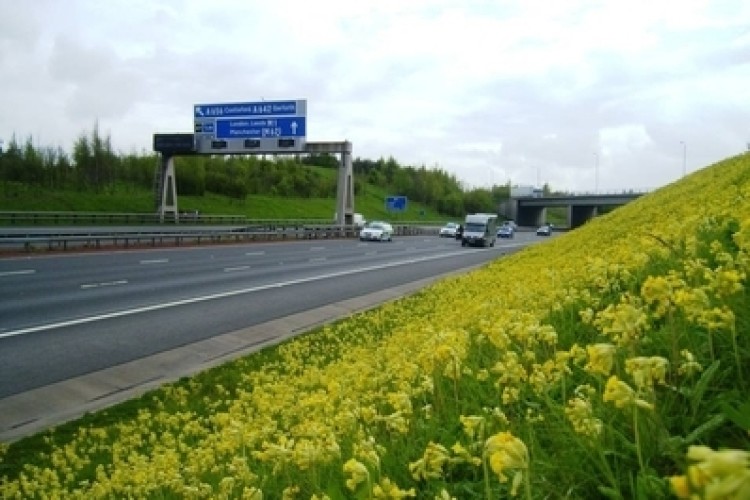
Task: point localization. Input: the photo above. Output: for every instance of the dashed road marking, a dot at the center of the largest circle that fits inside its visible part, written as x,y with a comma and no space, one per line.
234,269
17,273
87,286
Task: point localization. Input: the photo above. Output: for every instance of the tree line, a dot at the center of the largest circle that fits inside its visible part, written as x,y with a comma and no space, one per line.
94,166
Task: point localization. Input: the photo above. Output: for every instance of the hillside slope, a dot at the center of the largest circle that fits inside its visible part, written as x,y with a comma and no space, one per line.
612,361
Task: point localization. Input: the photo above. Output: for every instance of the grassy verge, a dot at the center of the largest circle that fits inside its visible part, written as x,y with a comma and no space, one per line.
609,362
129,199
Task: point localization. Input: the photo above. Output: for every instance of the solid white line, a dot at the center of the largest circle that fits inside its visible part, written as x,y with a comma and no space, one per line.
232,293
16,273
238,268
255,253
155,261
316,249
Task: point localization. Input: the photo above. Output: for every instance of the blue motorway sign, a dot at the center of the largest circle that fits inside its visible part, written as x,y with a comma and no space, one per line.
263,108
250,127
395,203
246,128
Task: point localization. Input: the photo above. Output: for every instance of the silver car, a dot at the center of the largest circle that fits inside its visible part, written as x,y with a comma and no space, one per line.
376,231
449,230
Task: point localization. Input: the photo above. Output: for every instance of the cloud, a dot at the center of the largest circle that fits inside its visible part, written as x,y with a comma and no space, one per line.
527,91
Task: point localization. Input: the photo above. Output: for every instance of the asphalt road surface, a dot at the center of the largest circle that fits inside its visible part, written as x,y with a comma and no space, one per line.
65,316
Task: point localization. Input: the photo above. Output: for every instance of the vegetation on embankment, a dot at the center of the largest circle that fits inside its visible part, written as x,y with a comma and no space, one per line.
612,361
104,179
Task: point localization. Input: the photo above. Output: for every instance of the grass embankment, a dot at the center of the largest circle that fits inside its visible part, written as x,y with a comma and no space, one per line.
130,199
609,362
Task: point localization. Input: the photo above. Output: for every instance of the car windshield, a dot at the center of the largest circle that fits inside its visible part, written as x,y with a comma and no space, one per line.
375,225
474,227
451,225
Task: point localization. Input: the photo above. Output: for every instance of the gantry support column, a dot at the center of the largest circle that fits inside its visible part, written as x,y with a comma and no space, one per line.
168,193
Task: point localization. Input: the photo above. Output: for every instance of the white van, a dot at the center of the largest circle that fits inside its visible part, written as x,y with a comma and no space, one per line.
358,220
480,230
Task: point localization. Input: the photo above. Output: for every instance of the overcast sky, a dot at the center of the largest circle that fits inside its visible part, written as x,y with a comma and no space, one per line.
583,95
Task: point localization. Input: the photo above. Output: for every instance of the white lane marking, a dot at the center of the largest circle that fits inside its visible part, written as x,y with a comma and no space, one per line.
318,259
233,269
254,253
362,244
155,261
86,286
371,253
19,272
231,293
316,249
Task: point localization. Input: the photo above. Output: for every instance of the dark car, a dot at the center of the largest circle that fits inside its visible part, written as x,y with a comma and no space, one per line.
545,230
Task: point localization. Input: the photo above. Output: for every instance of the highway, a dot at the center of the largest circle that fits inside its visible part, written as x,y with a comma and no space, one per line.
67,315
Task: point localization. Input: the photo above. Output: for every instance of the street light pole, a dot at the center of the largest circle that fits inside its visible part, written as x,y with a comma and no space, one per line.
596,173
684,158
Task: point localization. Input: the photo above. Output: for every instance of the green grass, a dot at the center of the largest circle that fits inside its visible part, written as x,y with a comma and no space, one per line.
130,199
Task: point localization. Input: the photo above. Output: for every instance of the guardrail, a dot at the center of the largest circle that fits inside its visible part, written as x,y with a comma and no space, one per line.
14,218
103,239
63,218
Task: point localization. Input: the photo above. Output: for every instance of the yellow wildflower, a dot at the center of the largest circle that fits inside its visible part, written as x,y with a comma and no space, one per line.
581,414
660,292
715,474
624,322
689,366
680,486
622,394
444,495
464,456
430,466
290,492
472,425
389,490
717,319
252,493
357,472
506,452
647,370
601,358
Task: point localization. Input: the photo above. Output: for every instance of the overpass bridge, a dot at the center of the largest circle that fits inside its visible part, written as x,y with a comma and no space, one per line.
532,211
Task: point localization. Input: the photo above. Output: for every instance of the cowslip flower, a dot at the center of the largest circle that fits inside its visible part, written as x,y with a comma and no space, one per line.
689,366
430,466
714,474
647,370
462,455
506,452
581,415
472,425
622,395
601,358
389,490
357,472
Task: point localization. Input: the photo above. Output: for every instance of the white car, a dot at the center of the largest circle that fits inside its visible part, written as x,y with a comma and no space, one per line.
449,230
376,231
